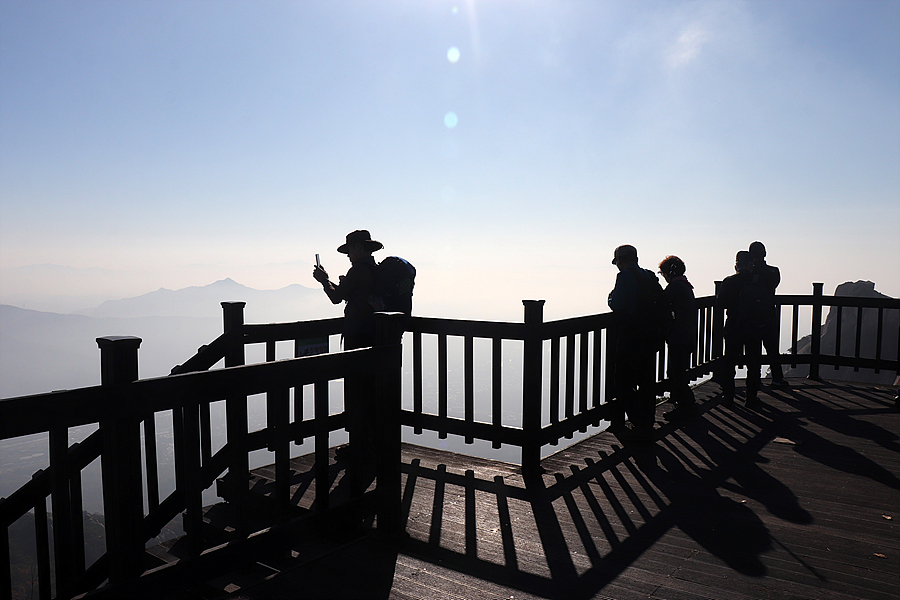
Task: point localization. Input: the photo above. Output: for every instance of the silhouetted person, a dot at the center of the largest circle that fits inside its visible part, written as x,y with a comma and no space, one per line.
739,338
683,337
635,347
356,288
770,338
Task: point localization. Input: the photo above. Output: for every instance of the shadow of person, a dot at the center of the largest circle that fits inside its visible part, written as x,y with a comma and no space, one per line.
830,453
743,467
729,530
848,422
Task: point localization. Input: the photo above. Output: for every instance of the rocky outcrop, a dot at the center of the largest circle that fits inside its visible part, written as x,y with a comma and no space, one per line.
868,339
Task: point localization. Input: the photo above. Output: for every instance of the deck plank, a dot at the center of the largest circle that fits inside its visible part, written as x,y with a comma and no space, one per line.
800,499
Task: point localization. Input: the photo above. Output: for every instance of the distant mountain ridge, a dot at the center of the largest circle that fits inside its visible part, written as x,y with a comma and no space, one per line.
65,289
43,351
291,303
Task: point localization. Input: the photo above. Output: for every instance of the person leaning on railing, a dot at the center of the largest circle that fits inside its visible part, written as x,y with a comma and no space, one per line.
682,337
634,348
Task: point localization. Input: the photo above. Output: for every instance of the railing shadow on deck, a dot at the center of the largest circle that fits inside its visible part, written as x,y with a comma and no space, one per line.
564,391
634,496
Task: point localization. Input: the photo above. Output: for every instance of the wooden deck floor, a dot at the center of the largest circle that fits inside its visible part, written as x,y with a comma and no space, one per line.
800,499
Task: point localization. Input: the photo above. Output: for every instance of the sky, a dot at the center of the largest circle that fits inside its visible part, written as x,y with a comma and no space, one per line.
504,147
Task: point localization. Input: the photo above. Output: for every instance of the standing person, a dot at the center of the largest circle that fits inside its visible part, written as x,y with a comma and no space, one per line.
739,338
683,337
771,277
355,288
630,300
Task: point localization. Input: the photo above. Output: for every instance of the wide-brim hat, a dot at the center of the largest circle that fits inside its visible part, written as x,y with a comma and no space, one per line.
360,236
625,251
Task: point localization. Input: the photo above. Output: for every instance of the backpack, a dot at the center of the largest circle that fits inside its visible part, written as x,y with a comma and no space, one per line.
395,279
654,313
757,304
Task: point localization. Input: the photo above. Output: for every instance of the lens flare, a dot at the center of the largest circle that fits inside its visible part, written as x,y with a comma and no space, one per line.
453,55
451,120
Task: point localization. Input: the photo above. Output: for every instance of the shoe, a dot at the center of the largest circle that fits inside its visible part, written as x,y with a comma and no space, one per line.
637,434
728,401
780,383
753,403
681,413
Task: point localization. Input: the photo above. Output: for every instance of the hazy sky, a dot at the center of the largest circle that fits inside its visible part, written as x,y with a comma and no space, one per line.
505,147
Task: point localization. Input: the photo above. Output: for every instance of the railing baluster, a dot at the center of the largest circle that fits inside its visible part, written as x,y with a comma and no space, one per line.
281,400
442,382
879,339
570,378
205,432
298,395
191,457
859,323
699,347
569,396
609,387
320,424
469,359
795,322
42,544
554,380
78,522
839,323
151,461
417,377
597,391
497,387
271,399
583,375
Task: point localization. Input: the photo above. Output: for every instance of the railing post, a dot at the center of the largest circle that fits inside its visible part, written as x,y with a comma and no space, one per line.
531,384
236,419
233,318
816,331
389,332
121,463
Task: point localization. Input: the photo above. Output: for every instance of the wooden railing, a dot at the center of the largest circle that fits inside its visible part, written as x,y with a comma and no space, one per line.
120,405
565,377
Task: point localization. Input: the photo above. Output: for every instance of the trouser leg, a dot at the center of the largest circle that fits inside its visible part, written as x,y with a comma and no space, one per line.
770,341
678,364
752,350
726,377
634,377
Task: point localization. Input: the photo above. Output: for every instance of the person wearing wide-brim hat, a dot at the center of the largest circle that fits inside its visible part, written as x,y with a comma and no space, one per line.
354,288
